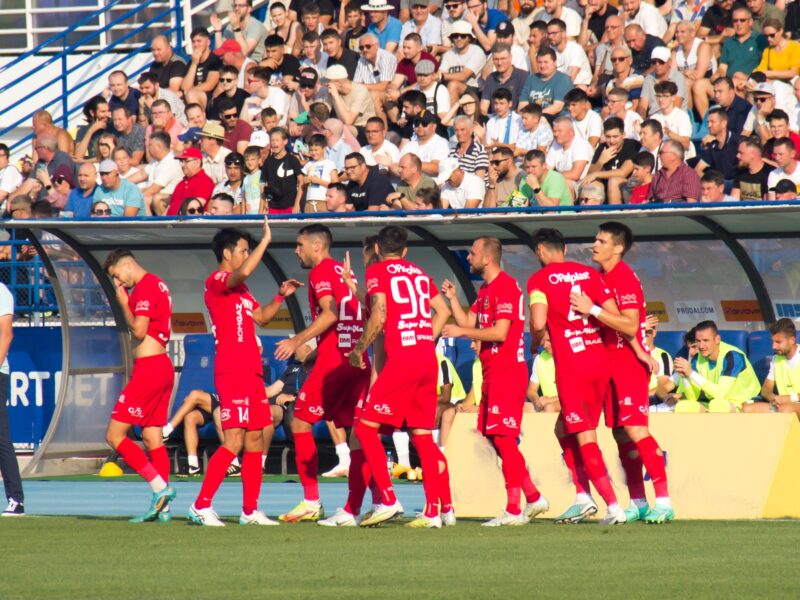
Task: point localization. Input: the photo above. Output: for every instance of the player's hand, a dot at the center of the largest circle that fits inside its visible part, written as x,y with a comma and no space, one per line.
122,295
285,348
356,360
347,273
781,400
289,287
451,331
650,362
449,290
683,366
580,303
284,399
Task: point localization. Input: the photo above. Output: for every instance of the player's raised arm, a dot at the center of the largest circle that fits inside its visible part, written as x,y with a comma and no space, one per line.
347,276
626,322
264,314
252,260
327,317
462,318
374,326
137,324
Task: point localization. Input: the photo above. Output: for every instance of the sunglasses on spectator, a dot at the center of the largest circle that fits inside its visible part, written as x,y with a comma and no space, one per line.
771,35
194,211
102,212
365,46
584,200
59,179
657,61
745,20
497,161
229,115
227,79
452,5
762,98
234,163
618,58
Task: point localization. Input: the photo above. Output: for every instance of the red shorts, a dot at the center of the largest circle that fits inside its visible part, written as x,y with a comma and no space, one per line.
502,397
582,392
280,211
404,393
628,403
145,400
332,392
243,402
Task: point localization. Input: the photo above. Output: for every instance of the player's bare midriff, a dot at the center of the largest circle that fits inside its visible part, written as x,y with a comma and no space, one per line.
149,346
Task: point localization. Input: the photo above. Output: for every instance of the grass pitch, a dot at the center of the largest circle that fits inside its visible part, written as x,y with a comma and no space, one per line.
68,557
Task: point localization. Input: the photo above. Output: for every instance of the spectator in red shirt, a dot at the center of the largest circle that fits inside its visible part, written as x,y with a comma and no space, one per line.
195,182
675,181
237,132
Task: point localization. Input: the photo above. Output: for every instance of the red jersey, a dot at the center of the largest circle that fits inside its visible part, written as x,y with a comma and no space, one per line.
627,290
326,280
408,331
501,299
150,298
575,338
231,312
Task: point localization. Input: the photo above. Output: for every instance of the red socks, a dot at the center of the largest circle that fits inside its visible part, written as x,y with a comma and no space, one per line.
574,462
596,469
370,441
513,470
653,460
445,496
431,457
305,449
160,460
137,459
215,474
357,480
532,493
251,481
632,465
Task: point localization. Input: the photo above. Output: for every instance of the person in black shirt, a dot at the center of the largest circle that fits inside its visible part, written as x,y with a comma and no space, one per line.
367,189
282,174
228,79
717,22
641,45
338,54
283,69
751,180
599,10
202,75
613,160
168,67
719,148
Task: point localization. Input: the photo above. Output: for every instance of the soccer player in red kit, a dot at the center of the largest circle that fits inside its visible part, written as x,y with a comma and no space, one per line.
147,306
334,387
581,360
497,320
238,372
627,407
407,307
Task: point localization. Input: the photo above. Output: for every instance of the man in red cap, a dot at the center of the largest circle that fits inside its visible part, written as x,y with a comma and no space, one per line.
195,183
231,54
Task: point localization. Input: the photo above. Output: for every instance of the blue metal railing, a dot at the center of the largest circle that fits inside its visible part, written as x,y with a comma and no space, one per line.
24,275
66,90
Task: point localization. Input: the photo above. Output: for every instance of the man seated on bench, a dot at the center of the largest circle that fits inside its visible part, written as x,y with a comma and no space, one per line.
198,408
782,385
542,392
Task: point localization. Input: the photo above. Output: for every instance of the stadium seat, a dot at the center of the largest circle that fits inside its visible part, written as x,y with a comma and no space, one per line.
734,337
671,341
759,351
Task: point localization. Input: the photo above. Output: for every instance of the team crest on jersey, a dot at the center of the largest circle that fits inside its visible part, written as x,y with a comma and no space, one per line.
301,397
628,401
218,275
135,412
121,399
224,414
495,410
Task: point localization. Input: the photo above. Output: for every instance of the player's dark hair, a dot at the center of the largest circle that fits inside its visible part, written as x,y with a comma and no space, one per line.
115,256
784,326
392,240
689,337
703,325
620,234
226,239
318,231
552,238
493,247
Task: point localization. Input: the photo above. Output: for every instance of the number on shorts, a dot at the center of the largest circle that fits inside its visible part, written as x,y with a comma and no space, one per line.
244,413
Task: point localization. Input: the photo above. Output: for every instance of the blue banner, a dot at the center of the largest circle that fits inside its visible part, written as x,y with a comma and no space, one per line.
35,360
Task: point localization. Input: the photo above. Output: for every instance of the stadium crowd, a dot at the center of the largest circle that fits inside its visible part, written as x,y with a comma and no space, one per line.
399,104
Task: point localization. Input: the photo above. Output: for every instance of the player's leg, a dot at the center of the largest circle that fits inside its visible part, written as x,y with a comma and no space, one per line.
368,436
358,479
584,505
513,465
193,421
156,450
194,400
790,407
758,407
633,468
201,512
448,417
131,453
339,439
252,476
653,459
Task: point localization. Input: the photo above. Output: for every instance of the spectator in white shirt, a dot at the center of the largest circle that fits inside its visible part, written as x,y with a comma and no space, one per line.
536,132
571,58
587,123
463,62
429,147
570,155
645,15
423,23
459,188
505,125
618,106
674,121
555,9
264,96
378,150
313,56
437,98
10,177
